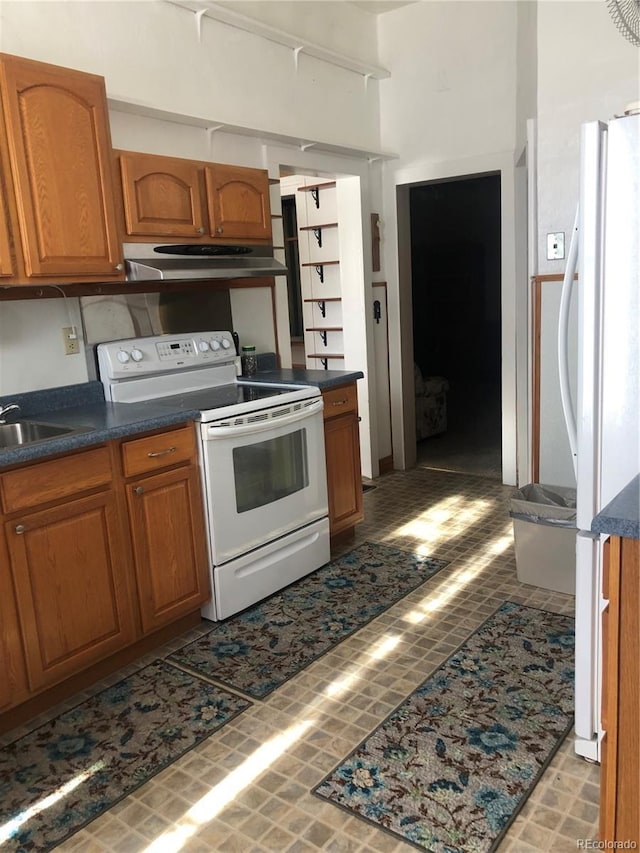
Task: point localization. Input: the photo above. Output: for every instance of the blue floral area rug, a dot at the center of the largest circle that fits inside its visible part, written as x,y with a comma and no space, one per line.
58,778
450,768
265,645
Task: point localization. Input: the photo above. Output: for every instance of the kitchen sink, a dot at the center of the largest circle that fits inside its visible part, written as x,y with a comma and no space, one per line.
27,432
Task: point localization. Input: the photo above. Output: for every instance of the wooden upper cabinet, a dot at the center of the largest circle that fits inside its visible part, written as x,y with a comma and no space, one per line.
165,198
6,263
162,196
238,201
59,150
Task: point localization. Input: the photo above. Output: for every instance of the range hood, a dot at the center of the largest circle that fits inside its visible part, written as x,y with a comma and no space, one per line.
194,261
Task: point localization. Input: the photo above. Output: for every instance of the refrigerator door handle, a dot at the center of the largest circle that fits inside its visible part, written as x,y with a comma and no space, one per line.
563,347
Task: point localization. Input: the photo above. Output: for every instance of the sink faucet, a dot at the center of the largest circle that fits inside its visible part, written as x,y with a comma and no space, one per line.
4,410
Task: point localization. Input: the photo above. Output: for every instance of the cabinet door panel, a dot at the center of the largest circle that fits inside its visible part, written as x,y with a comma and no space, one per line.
12,670
6,263
344,479
169,545
163,196
59,148
68,570
238,202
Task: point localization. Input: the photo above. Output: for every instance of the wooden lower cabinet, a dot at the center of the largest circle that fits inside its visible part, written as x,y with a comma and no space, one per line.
342,448
71,587
94,562
13,679
169,546
620,771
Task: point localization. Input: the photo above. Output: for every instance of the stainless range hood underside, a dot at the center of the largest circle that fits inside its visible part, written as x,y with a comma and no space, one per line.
199,261
190,269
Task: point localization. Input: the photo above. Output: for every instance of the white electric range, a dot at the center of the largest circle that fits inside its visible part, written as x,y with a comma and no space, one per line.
261,456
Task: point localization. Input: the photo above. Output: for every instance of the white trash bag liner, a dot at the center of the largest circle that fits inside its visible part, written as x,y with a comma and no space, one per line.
554,505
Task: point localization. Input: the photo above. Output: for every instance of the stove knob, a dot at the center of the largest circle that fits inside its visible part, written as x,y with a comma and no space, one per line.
203,346
215,345
136,354
123,356
225,343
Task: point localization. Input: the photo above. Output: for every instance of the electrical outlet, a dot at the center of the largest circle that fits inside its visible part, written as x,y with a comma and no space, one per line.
71,341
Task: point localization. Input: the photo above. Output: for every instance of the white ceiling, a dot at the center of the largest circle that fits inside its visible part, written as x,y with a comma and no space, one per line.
377,7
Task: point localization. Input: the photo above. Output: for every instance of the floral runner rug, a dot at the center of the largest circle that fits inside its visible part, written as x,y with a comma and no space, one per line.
265,645
450,768
58,778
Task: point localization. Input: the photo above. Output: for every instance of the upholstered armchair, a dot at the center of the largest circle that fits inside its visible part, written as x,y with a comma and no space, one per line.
431,404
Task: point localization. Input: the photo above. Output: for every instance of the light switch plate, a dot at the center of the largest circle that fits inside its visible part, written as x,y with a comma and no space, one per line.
555,246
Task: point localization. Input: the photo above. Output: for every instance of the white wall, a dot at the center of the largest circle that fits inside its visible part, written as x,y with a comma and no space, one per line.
448,110
32,348
149,53
150,57
586,71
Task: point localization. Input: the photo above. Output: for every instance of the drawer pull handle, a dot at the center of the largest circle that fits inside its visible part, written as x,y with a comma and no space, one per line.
153,455
20,528
339,402
138,490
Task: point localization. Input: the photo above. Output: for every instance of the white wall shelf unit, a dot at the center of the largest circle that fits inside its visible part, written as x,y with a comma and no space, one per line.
318,229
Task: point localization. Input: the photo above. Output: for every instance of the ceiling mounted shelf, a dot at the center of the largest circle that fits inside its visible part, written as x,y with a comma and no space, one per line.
298,45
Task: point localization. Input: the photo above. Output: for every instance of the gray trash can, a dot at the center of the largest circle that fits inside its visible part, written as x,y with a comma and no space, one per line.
544,530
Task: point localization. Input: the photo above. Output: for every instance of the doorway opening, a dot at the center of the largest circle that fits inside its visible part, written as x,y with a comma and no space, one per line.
456,297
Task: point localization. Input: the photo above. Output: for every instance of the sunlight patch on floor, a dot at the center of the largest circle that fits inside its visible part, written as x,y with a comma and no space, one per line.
433,525
452,586
218,797
214,801
8,829
347,680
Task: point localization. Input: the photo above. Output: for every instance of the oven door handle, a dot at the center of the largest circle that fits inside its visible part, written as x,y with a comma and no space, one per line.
214,431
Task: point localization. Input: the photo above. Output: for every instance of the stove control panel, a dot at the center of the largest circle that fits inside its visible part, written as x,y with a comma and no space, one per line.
138,357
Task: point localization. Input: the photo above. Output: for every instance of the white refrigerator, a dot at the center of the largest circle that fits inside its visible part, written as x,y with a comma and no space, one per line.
604,422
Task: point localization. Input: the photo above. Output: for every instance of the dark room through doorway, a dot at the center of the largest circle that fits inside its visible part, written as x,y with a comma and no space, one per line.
456,295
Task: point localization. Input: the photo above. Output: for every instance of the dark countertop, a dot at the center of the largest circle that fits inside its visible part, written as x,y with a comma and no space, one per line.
83,405
321,379
621,517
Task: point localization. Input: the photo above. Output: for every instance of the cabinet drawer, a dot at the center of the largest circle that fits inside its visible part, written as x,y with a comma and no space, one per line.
55,480
143,455
337,401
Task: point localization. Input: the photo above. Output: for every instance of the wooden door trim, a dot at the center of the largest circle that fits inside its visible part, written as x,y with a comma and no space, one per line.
385,464
537,282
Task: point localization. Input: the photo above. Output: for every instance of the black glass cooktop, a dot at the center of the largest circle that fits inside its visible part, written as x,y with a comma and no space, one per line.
208,399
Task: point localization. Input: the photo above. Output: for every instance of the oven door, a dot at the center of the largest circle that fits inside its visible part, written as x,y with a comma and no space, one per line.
264,476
